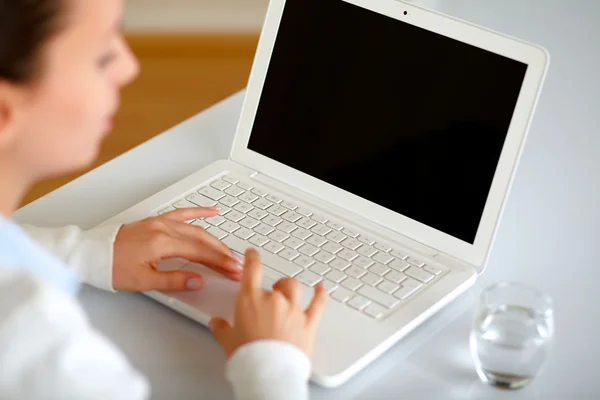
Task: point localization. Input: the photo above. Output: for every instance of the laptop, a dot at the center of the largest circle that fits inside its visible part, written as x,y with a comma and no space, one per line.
375,151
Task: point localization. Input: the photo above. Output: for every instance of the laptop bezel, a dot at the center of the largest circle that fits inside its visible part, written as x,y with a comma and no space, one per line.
475,254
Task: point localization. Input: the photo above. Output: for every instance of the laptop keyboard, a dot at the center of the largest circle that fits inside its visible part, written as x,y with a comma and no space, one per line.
371,277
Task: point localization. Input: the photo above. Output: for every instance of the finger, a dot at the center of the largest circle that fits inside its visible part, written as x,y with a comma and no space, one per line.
174,281
315,310
221,330
185,214
252,276
290,288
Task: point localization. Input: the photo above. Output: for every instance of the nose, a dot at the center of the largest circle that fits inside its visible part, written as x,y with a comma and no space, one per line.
129,67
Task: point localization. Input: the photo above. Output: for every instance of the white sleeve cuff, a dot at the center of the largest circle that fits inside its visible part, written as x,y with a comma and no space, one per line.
269,370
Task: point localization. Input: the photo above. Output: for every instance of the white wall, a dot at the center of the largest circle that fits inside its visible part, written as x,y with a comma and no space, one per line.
195,15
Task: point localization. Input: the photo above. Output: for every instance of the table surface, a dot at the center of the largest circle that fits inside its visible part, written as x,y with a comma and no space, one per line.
546,238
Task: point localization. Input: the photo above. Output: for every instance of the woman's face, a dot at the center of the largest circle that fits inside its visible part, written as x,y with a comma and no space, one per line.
60,120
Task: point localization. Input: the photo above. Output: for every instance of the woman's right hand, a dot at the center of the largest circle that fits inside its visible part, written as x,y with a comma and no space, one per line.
274,315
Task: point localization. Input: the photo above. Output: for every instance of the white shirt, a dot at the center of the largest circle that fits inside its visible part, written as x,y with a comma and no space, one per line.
49,350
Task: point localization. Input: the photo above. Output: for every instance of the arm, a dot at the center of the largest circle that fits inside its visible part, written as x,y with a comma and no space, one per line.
48,350
269,370
89,253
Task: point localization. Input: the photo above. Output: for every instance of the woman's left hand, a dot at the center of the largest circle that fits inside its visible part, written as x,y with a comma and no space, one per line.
141,246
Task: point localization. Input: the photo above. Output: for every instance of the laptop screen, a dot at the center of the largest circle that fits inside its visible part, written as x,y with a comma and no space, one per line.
398,115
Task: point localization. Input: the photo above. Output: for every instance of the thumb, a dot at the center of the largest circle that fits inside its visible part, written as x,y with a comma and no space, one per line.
220,329
176,281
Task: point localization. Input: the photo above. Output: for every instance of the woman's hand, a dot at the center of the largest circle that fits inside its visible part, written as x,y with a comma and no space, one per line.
261,314
140,246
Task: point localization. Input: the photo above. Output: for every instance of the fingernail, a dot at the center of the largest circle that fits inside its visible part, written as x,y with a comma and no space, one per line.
195,284
239,260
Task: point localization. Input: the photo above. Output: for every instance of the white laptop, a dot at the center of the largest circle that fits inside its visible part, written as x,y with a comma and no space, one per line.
375,151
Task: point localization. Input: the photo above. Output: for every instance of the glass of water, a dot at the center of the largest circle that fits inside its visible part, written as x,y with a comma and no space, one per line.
512,334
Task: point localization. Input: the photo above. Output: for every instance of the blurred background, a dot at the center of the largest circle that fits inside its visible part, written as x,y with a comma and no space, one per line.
193,53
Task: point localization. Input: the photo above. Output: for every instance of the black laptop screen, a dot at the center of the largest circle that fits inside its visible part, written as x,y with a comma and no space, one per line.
395,114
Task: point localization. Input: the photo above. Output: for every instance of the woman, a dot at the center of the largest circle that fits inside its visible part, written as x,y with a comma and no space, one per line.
62,63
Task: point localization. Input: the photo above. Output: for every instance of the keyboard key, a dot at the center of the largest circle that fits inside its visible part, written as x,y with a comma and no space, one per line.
395,276
355,272
215,221
332,247
335,276
362,261
350,233
375,310
320,268
383,247
309,278
336,236
245,186
184,204
211,193
387,287
378,269
408,288
366,250
273,198
433,270
244,233
347,255
308,249
230,179
234,191
329,286
278,236
287,227
379,297
277,210
306,223
272,220
294,243
303,211
223,210
291,216
289,205
339,264
399,254
258,240
301,233
366,240
323,256
249,223
288,254
419,274
304,261
262,204
216,232
316,240
259,192
351,283
415,261
167,210
258,214
201,223
319,218
243,207
273,247
229,201
201,201
398,265
352,244
382,258
229,226
235,216
220,185
263,229
334,226
321,229
341,295
371,279
359,302
248,197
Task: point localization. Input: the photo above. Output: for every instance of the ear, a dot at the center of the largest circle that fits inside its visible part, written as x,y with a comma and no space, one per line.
8,114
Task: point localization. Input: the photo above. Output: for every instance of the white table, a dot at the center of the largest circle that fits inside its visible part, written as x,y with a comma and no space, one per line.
548,235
